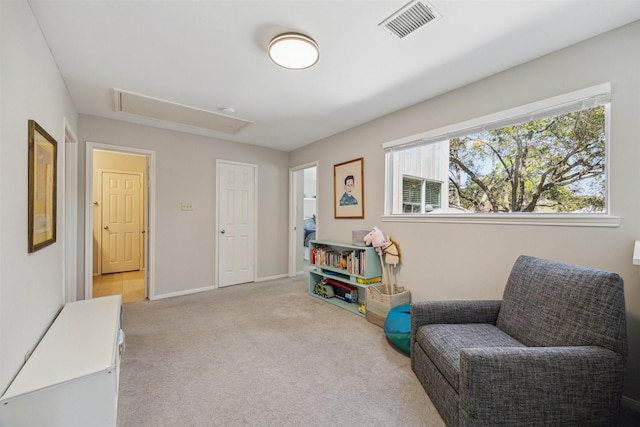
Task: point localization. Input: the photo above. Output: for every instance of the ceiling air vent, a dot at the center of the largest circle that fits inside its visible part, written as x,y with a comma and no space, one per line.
158,109
409,18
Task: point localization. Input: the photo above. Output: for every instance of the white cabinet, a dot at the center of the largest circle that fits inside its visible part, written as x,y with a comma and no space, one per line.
71,378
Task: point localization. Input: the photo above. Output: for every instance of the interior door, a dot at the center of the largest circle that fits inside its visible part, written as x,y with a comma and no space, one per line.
120,222
236,223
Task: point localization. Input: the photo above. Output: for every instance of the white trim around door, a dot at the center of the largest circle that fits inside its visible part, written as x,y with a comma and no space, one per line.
150,197
292,212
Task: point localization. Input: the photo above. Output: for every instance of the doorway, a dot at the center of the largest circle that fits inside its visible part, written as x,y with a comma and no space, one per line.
303,185
119,217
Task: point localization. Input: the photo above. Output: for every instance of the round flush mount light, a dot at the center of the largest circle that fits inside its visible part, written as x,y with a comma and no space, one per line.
293,51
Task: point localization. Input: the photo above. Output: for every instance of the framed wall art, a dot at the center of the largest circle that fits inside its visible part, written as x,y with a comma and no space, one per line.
43,158
348,189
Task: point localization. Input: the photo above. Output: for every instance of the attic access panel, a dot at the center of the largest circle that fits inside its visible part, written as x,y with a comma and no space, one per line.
144,106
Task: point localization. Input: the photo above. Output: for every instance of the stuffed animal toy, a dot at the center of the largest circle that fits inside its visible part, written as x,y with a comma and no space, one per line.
375,238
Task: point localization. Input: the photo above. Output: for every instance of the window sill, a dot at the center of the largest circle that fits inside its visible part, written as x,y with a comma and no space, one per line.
568,220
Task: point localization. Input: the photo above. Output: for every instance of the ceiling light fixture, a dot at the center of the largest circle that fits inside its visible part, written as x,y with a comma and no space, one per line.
293,51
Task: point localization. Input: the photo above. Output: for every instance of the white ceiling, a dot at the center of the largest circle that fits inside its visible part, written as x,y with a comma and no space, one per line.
211,54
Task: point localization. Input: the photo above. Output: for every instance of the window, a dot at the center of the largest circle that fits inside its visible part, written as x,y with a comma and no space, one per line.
420,195
544,158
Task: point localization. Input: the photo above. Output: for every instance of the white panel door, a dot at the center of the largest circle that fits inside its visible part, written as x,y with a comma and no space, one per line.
236,217
120,222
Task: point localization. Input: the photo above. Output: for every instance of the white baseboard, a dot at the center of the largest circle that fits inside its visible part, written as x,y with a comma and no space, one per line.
634,405
277,276
209,288
182,293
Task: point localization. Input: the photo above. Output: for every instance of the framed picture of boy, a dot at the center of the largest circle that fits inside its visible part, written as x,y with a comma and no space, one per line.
348,189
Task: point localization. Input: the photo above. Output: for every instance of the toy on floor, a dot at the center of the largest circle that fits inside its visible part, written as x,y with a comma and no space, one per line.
397,327
391,251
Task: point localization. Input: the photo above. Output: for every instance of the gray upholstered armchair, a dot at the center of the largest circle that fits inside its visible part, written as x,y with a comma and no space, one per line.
552,352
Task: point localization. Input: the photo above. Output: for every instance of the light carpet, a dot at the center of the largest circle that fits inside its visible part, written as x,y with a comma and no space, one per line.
263,354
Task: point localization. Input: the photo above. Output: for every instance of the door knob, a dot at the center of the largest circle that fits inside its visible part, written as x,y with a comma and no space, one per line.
222,232
106,227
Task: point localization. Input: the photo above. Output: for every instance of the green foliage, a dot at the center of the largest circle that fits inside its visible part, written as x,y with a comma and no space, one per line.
548,165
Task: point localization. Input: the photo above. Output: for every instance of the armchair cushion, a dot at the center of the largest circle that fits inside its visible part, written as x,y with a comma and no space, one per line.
443,312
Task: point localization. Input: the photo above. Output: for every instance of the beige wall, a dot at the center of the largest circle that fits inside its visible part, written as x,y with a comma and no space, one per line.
185,172
469,261
111,162
31,285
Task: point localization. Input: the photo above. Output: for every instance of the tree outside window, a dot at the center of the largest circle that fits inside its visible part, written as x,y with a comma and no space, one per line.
553,165
550,161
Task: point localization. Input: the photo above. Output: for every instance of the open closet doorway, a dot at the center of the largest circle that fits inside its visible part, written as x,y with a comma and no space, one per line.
119,215
303,187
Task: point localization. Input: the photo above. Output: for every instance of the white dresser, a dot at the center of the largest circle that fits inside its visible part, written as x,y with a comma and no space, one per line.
71,378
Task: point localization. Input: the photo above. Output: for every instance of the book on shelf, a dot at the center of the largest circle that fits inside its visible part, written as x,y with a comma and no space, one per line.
350,260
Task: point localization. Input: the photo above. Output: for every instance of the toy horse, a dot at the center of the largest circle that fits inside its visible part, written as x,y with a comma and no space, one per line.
392,256
391,251
375,238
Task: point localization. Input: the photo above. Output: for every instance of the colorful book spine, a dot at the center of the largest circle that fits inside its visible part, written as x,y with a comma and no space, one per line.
351,260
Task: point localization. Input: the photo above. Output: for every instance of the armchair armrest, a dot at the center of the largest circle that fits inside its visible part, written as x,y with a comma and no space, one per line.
443,312
540,386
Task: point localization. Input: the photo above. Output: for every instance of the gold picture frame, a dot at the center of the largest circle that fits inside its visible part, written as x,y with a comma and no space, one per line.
43,160
348,189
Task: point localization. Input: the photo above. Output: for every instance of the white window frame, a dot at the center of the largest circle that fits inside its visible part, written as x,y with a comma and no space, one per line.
584,98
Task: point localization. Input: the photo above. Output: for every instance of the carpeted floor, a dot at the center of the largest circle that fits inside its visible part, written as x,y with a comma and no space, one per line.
262,354
265,354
